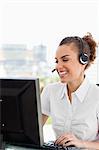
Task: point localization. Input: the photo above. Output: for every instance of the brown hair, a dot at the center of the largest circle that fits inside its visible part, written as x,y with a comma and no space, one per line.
85,45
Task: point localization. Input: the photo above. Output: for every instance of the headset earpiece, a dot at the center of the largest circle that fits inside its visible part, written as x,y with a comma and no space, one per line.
83,58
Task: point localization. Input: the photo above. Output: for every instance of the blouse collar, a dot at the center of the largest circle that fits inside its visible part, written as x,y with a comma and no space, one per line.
80,92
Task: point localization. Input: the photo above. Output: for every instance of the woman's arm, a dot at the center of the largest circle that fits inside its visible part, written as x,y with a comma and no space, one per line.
91,145
44,118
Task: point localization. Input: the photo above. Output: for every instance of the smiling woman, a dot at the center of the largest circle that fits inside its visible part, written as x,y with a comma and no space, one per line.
73,103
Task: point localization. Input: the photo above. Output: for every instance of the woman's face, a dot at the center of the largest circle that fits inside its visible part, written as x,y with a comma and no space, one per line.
67,63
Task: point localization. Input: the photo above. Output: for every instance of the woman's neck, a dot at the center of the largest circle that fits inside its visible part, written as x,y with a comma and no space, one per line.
73,86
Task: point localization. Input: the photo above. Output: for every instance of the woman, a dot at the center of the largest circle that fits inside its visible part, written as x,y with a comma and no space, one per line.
73,103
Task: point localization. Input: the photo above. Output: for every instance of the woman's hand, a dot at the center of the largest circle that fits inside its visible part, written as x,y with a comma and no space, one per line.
69,139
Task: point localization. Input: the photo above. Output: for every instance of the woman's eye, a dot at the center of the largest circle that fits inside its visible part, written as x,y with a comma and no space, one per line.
65,59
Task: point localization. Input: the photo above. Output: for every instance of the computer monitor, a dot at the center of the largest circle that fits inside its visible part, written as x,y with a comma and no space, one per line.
21,119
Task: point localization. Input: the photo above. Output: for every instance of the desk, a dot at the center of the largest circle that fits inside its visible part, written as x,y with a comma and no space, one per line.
21,148
11,147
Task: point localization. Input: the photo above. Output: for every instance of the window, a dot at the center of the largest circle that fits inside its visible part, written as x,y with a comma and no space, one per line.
32,30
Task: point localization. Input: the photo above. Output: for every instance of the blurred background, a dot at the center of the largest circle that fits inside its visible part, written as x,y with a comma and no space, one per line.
30,31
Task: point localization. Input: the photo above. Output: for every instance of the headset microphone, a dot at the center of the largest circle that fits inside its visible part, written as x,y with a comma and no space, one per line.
53,70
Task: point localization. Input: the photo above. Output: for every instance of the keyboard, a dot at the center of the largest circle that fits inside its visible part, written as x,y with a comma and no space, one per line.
51,146
46,146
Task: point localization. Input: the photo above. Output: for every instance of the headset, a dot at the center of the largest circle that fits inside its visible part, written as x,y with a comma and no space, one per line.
83,57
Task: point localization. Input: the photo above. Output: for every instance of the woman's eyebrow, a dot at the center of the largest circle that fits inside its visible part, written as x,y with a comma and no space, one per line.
62,56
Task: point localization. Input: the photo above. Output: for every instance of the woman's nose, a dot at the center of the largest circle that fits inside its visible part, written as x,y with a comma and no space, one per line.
59,65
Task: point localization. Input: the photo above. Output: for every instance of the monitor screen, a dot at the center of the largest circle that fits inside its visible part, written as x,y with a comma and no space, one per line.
21,119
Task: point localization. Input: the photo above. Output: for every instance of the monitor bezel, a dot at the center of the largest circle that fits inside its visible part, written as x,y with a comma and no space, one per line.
39,114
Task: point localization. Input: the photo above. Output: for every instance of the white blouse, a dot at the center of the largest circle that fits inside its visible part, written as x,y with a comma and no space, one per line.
81,117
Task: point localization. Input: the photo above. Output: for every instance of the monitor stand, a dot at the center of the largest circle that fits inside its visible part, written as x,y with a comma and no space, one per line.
2,144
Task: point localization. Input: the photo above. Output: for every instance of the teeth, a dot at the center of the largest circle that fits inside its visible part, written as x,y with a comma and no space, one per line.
62,73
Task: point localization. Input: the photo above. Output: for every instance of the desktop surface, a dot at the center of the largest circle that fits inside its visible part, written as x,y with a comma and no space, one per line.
8,147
